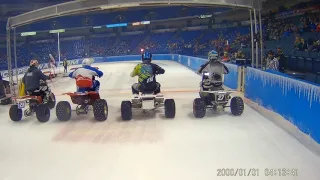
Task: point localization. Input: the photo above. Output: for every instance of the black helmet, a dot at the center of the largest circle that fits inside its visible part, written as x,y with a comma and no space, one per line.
146,57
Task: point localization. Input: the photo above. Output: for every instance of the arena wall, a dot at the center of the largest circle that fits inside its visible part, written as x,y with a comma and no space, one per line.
295,100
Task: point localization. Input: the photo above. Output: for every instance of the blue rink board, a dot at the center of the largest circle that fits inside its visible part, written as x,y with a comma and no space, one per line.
295,100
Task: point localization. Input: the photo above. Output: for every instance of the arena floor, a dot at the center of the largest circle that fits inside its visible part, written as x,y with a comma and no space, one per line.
150,147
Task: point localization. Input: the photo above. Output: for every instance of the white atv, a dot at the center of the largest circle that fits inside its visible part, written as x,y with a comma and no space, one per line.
148,102
213,96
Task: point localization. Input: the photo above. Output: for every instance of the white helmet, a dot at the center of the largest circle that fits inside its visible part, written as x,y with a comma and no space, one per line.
213,56
87,61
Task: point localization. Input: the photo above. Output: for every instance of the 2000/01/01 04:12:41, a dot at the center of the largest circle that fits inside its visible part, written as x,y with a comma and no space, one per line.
280,172
238,172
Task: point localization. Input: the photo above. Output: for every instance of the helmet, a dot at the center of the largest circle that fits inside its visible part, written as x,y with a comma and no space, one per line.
34,63
213,56
87,61
146,57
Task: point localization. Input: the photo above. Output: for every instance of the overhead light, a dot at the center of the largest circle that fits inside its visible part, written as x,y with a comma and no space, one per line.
119,6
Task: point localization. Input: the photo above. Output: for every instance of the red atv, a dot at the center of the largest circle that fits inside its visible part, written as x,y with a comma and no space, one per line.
83,100
39,105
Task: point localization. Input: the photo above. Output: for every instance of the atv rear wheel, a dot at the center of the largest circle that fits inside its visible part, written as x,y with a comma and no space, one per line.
15,113
236,106
63,111
52,101
43,113
199,108
100,110
126,110
169,108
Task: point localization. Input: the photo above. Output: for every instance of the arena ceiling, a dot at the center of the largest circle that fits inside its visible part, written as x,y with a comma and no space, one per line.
32,1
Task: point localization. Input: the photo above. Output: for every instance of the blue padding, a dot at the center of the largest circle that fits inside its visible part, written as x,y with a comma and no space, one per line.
132,58
295,100
231,79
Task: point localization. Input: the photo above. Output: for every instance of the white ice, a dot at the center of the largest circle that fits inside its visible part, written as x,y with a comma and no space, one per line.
149,147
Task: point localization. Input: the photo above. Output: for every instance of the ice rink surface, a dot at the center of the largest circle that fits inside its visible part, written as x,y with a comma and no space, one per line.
149,147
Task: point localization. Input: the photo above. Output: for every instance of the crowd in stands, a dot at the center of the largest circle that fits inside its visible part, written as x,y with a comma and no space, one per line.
289,43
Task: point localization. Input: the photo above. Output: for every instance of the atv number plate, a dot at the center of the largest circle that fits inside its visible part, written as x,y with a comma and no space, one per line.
220,97
147,104
21,104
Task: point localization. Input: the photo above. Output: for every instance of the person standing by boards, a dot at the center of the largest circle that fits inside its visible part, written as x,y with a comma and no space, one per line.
65,65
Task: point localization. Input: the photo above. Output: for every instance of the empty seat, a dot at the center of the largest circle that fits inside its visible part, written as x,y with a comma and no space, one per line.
301,64
314,55
311,77
316,66
297,53
308,64
292,63
318,79
305,54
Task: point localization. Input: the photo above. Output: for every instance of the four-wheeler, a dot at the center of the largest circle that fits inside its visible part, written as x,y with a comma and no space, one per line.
83,100
148,102
39,105
213,96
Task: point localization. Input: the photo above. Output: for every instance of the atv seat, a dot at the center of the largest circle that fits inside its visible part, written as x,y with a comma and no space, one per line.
30,97
84,82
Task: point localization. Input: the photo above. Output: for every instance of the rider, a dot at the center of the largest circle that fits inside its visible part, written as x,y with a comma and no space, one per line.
216,69
85,77
146,71
32,78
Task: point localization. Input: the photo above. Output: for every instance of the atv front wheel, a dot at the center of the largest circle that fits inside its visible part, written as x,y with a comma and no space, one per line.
199,108
236,106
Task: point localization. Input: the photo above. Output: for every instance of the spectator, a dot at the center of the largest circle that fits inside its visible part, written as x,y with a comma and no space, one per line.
225,57
316,46
318,27
272,62
65,65
299,43
281,59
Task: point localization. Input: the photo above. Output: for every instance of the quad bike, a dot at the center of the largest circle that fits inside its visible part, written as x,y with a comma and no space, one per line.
148,101
41,106
213,96
83,100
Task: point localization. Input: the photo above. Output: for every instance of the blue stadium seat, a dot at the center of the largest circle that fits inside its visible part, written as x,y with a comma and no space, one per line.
309,64
301,64
316,65
293,63
314,55
311,77
305,54
318,79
